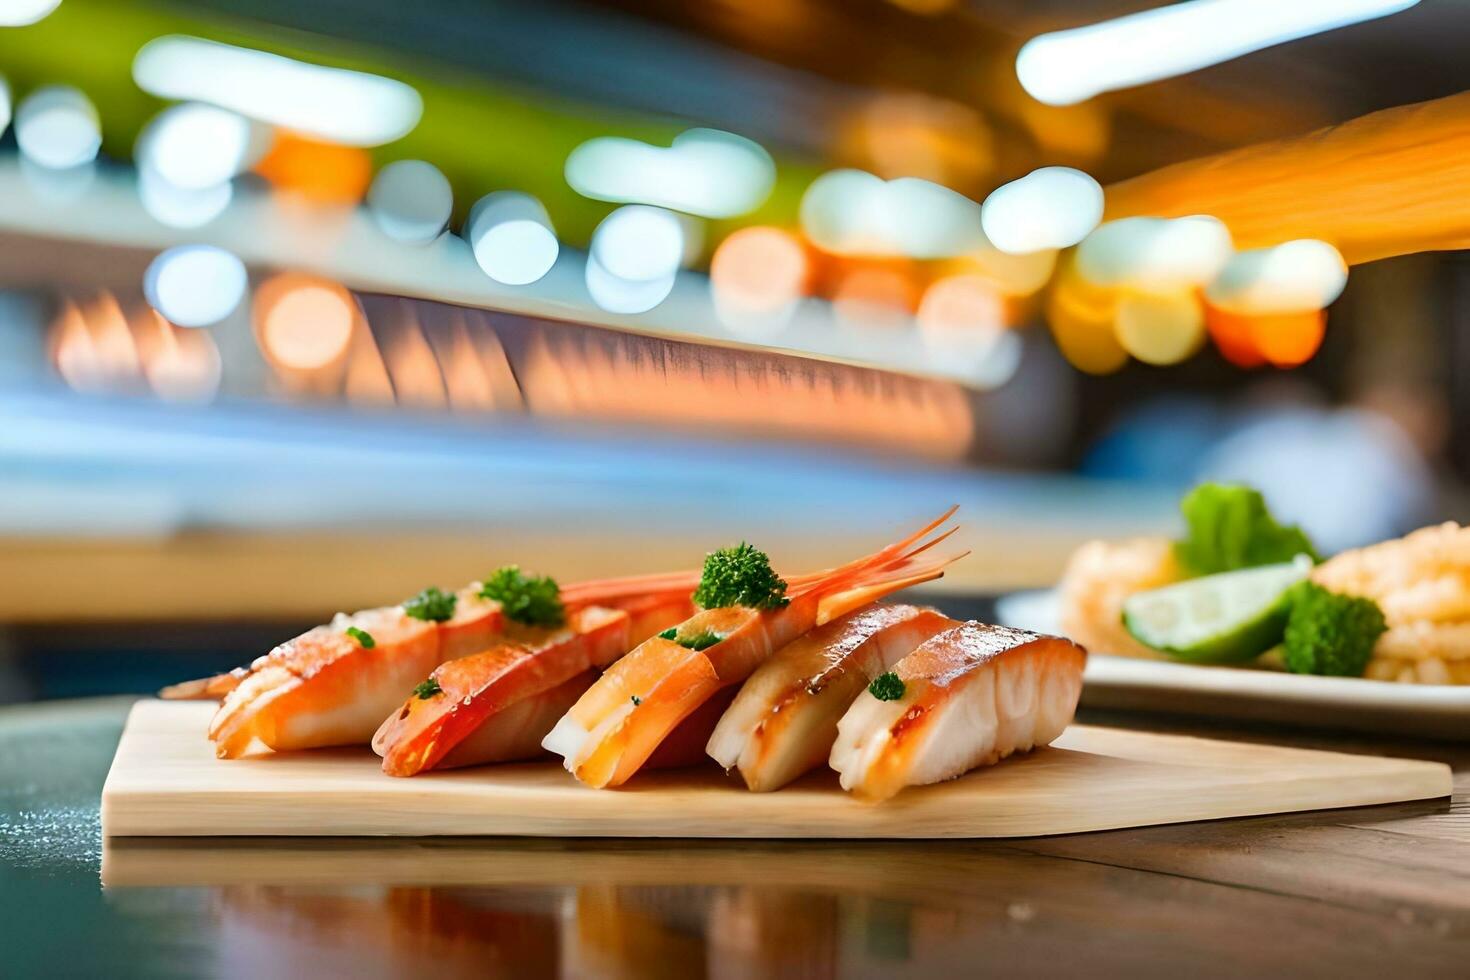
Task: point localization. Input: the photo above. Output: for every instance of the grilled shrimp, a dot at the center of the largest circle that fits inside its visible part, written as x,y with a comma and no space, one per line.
497,705
970,696
334,684
784,720
622,719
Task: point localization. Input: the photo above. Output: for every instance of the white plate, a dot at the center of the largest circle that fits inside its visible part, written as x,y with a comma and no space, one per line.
1131,683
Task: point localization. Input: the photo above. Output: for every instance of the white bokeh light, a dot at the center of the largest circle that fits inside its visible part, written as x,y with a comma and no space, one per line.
351,107
512,238
638,243
180,208
853,212
1295,277
1053,207
1156,253
706,172
195,285
618,295
57,127
411,201
1066,67
21,13
195,146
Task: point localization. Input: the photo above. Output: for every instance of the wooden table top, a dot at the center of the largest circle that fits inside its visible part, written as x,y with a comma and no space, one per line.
1340,893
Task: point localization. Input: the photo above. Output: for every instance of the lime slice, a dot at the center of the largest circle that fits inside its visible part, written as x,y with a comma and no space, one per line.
1217,619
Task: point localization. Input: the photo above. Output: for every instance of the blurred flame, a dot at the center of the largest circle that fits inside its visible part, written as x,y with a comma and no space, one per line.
569,375
99,348
417,380
324,173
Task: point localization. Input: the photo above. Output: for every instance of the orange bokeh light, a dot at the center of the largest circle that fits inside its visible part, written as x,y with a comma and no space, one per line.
1289,339
760,269
1231,333
324,173
303,323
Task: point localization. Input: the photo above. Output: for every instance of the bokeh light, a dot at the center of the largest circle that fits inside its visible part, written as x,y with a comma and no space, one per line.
1050,208
1232,336
179,208
1288,339
194,146
20,13
759,270
302,322
852,212
618,295
411,201
876,295
705,172
323,173
638,243
512,237
1158,254
1294,277
57,127
1081,317
195,285
1160,328
330,104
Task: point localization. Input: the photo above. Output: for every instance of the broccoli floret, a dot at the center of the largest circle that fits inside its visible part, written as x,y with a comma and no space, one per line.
740,576
1330,634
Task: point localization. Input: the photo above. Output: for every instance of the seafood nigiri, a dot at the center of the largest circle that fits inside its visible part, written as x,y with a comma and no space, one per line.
497,705
967,697
622,719
784,720
334,684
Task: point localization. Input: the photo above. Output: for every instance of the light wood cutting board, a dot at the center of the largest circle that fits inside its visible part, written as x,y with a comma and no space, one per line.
165,781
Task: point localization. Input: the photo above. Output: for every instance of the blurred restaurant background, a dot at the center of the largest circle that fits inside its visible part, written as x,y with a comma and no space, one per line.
307,305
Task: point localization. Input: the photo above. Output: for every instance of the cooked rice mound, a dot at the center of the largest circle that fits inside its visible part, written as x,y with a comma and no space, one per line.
1099,577
1422,584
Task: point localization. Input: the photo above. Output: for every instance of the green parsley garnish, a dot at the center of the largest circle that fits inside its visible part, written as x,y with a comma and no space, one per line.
670,633
636,700
529,599
886,687
431,604
1330,634
740,576
427,689
363,637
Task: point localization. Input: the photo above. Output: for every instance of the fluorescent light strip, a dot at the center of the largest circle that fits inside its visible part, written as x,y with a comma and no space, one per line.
1067,67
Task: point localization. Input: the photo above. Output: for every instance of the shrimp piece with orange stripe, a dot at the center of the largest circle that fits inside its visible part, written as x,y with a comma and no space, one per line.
497,705
746,614
333,685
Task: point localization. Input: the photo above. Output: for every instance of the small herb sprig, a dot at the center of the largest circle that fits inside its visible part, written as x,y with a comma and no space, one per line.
887,687
530,599
363,637
427,689
432,605
702,640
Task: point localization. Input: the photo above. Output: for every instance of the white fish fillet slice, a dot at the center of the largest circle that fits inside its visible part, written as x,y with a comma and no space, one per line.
973,696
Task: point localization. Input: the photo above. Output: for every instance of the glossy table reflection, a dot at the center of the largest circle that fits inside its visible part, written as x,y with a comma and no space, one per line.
1341,893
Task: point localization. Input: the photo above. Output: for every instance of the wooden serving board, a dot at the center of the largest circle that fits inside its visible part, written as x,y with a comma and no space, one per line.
165,781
